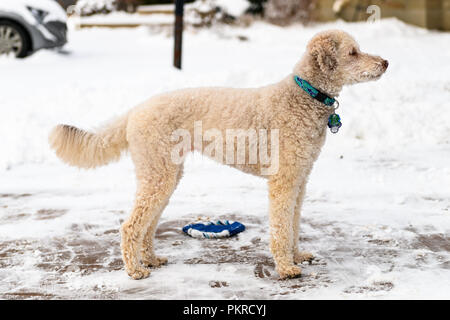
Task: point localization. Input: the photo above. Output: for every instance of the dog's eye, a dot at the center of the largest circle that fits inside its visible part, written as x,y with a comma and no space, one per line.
353,52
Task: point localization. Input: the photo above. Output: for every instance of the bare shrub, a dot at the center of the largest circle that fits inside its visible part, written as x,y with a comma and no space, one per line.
284,12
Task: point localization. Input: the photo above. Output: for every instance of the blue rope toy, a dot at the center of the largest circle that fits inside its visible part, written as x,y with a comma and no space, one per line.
212,230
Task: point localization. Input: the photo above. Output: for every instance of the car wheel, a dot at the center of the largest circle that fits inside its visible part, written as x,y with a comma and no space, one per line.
14,39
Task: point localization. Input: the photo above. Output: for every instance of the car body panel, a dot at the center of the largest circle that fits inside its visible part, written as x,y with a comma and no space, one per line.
51,32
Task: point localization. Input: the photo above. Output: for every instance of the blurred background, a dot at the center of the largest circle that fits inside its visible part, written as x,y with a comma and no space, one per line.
377,208
434,14
30,35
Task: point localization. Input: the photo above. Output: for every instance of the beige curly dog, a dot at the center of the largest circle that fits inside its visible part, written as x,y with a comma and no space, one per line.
333,59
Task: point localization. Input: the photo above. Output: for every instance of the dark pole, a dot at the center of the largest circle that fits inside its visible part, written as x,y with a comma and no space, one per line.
179,4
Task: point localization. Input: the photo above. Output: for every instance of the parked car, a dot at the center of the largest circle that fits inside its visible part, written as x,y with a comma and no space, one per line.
29,25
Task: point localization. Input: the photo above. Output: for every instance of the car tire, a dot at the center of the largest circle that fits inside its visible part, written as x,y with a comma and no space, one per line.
21,45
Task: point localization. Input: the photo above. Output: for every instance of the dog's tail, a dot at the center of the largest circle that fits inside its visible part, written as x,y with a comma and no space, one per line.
84,149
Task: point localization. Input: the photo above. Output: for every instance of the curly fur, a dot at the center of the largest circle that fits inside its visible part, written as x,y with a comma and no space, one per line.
332,60
89,150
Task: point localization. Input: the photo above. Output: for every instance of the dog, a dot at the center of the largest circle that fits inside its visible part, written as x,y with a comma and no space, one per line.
332,60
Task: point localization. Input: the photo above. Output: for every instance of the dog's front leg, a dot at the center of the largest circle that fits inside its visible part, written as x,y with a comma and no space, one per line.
283,191
299,256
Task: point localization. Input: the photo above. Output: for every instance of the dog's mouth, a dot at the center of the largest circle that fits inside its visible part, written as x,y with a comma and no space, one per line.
368,76
378,69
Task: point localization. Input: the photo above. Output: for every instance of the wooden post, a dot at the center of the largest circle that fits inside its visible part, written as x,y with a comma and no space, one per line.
179,4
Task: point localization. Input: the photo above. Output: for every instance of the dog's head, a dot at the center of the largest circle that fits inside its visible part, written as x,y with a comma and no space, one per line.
336,55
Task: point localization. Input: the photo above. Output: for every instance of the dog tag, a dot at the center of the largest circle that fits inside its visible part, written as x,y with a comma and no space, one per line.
334,123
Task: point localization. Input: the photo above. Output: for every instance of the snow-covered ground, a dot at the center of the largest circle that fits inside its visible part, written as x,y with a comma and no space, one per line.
377,213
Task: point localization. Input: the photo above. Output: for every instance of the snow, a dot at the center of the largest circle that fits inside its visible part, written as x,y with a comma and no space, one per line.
377,207
233,7
191,17
18,7
54,10
123,18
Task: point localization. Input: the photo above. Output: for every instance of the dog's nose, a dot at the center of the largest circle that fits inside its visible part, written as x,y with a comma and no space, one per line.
385,64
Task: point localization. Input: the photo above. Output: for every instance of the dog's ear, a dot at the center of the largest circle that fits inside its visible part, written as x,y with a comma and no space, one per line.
324,51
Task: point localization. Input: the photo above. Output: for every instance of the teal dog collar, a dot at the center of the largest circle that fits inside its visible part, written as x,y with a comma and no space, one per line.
334,121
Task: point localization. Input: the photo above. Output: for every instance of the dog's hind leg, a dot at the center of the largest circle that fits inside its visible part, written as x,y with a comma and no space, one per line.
148,256
157,178
151,199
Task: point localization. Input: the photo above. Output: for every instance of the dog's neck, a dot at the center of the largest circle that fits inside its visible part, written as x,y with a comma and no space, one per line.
315,109
326,83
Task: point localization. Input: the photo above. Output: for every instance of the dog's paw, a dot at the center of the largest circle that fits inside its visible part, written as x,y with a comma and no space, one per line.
140,273
289,272
302,256
154,261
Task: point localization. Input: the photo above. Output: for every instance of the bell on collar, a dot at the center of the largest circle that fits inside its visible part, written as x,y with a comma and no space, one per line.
334,123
